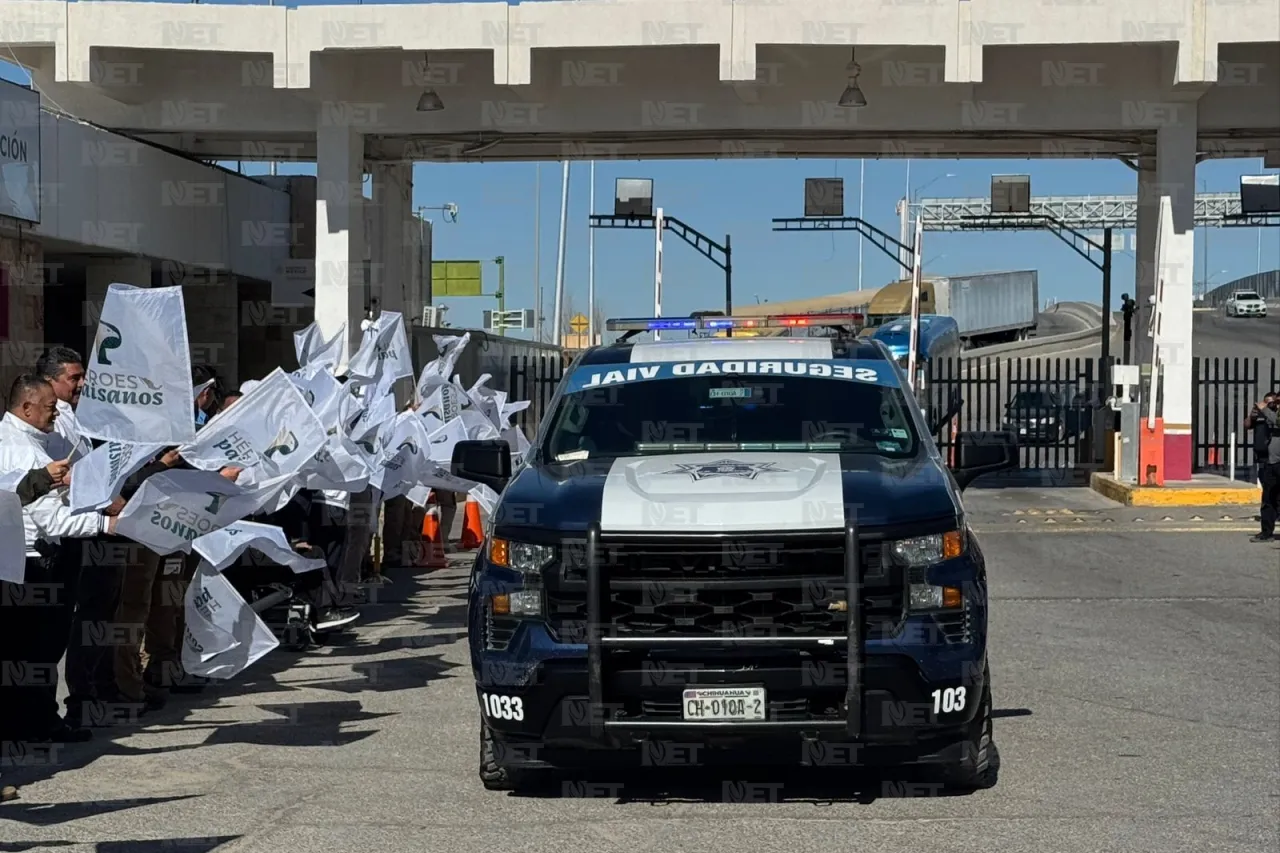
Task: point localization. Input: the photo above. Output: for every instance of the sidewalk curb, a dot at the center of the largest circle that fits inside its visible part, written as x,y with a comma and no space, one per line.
1163,496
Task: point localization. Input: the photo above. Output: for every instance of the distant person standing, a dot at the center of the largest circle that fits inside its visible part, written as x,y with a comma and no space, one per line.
1266,438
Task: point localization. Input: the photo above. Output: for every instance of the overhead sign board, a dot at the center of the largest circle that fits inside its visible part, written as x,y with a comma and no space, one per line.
633,197
19,152
294,284
520,319
456,278
824,197
1259,194
1010,193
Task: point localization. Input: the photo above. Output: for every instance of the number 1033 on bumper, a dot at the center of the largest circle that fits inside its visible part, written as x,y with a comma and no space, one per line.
734,704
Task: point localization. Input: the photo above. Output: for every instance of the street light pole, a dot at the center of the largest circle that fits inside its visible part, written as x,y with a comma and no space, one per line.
564,222
862,188
591,261
537,249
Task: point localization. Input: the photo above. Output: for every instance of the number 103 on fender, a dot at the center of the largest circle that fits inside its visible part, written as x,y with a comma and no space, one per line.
948,701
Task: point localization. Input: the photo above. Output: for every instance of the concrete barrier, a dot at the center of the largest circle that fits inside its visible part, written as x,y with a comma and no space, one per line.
1036,343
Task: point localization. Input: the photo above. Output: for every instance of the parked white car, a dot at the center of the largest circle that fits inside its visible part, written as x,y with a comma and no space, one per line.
1246,303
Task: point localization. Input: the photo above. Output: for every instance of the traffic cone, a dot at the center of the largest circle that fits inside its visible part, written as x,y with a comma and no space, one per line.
472,531
431,554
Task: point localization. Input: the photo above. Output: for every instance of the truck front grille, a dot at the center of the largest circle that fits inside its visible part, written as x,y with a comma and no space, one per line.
711,587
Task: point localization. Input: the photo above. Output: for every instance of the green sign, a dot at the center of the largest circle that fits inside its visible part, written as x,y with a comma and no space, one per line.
455,278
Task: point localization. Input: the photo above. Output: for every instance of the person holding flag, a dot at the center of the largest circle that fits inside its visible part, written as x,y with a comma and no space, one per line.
35,633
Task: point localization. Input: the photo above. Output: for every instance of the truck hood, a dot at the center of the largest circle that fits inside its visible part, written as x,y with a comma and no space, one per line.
726,492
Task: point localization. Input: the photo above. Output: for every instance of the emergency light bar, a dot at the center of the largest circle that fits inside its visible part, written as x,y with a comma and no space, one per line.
694,324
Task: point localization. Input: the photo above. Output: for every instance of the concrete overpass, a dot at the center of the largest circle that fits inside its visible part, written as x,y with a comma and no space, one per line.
1161,84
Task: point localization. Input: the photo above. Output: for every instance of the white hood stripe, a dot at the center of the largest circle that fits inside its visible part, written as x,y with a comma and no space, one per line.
728,492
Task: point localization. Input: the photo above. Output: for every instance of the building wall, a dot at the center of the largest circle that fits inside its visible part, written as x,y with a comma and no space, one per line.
22,323
106,191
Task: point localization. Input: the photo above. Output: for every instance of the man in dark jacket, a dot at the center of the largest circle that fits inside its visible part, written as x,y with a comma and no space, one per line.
1267,446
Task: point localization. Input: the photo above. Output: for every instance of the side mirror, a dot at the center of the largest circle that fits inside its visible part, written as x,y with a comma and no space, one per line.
953,409
487,462
979,453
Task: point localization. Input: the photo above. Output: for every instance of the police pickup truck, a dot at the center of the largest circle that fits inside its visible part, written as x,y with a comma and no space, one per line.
720,548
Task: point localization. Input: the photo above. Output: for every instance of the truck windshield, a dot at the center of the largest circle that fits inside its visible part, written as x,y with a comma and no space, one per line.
711,413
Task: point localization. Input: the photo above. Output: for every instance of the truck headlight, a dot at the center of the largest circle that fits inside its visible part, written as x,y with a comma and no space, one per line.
927,550
520,556
924,596
522,602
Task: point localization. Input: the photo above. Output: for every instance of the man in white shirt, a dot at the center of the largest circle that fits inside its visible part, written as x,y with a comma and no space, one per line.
89,671
64,368
36,614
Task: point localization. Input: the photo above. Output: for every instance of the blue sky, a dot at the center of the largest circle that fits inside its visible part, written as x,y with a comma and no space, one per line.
496,204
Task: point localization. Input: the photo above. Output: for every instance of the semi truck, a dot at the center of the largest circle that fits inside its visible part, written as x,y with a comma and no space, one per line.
989,308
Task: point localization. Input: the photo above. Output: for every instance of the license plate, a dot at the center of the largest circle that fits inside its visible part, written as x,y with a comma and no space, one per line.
712,704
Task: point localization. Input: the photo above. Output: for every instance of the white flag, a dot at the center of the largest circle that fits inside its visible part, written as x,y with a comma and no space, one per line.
479,427
271,429
339,467
317,385
173,509
443,440
408,462
444,402
314,350
138,381
384,351
438,477
224,634
439,371
13,540
223,547
96,480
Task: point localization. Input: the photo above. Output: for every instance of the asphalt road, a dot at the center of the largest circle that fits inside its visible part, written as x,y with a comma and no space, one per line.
1135,679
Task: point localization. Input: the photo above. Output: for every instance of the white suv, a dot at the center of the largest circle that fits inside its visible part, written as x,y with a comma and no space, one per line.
1246,303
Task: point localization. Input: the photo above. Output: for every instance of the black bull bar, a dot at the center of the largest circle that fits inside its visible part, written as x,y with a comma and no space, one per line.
597,644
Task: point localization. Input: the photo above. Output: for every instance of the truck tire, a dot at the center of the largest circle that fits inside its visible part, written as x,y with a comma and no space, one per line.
978,767
493,775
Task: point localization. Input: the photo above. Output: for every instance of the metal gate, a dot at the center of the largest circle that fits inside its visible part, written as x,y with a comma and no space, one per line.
534,378
1050,402
1223,390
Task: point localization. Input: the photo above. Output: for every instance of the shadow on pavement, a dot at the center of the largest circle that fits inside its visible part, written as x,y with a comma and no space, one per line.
299,724
52,814
747,785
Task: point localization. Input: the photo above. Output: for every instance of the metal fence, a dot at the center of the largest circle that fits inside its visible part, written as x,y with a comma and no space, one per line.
1222,392
534,378
1050,402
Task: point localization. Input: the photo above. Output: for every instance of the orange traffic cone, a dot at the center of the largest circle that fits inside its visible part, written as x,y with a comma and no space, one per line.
472,531
431,553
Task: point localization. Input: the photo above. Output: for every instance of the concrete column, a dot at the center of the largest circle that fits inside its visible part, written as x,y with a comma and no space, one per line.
1176,146
1145,265
101,273
392,259
340,237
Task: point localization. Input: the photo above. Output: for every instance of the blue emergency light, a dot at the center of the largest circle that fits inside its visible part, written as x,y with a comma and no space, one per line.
692,324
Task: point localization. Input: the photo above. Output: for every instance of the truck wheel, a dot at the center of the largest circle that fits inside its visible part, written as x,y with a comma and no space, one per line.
493,775
979,765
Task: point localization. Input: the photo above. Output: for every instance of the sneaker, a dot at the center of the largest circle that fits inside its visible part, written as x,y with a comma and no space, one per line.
1262,537
332,618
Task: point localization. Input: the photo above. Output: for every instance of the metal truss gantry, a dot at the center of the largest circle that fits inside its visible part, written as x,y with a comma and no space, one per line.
1086,212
